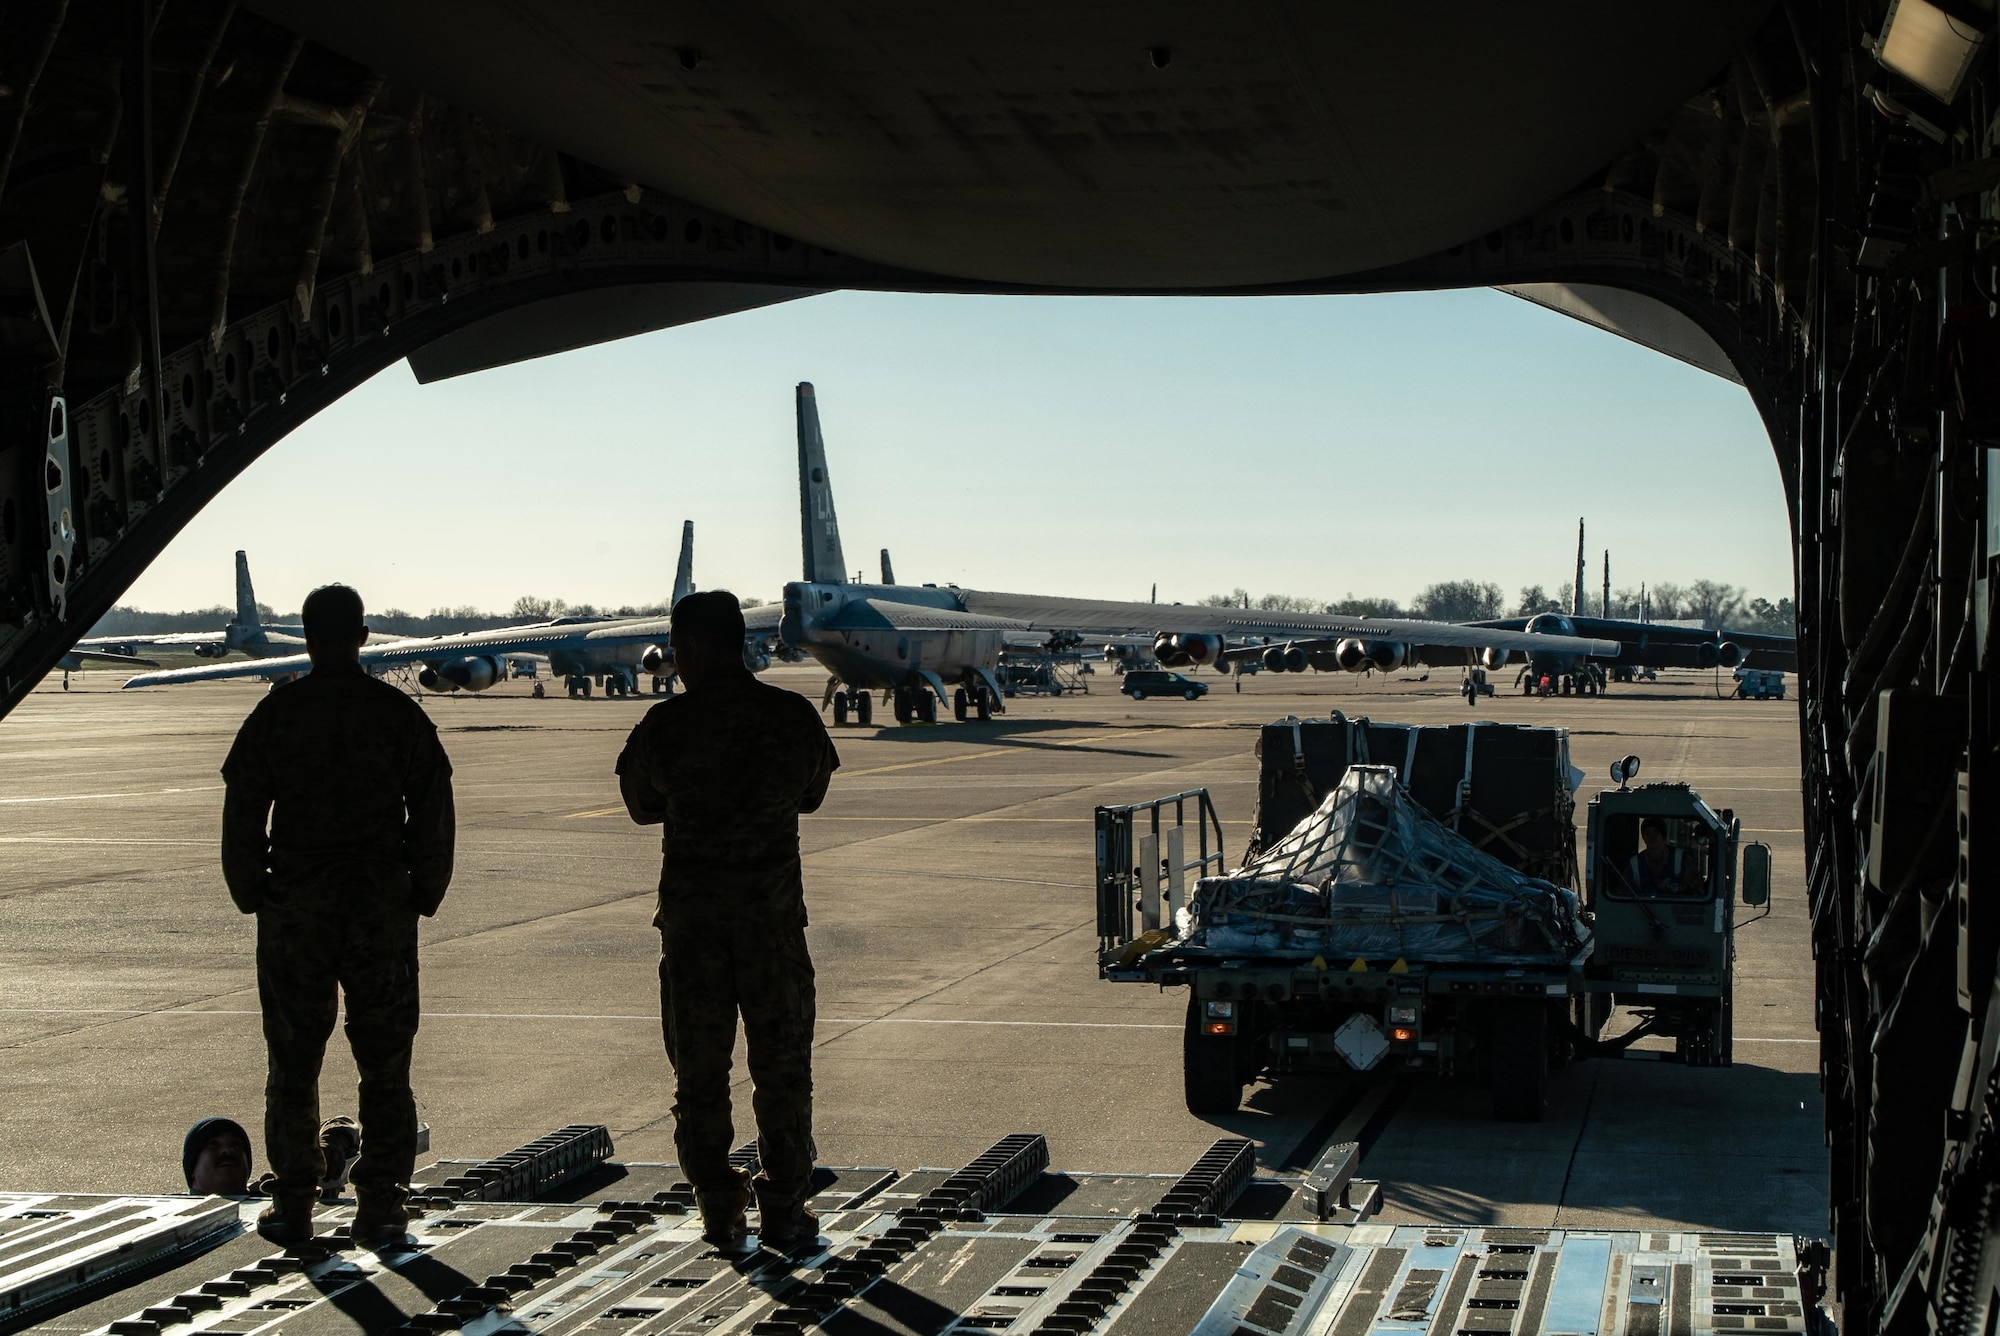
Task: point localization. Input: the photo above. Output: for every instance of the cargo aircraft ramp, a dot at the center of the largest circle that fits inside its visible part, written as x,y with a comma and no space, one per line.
1000,1244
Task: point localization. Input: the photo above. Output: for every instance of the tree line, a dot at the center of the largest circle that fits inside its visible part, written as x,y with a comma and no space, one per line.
1714,605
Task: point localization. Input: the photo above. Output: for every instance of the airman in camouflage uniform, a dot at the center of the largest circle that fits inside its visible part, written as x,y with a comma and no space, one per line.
356,790
727,767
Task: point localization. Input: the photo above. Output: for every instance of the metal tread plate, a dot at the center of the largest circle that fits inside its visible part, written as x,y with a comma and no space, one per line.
893,1262
56,1249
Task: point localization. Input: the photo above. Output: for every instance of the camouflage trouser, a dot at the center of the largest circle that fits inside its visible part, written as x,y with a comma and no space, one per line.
710,969
309,945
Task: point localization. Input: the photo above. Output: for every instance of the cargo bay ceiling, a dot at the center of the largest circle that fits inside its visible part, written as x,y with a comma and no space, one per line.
215,218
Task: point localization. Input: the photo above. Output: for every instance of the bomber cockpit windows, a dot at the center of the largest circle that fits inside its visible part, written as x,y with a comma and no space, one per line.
1660,858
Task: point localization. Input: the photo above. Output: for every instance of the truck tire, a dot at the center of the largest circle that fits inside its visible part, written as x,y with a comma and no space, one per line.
1700,1044
1209,1066
1517,1061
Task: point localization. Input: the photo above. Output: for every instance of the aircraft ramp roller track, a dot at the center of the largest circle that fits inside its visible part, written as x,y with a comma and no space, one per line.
1003,1244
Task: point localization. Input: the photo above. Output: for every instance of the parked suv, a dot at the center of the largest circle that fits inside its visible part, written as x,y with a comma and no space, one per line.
1155,682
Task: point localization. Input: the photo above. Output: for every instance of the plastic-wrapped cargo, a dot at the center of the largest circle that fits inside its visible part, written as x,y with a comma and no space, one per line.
1371,874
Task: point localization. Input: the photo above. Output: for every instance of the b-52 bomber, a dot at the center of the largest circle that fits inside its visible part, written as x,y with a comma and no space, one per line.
615,651
1640,644
246,632
926,644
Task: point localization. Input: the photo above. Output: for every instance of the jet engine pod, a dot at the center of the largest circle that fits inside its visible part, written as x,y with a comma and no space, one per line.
1351,655
1117,653
474,672
1387,655
1729,654
1167,649
1493,658
657,660
1200,648
1706,655
1286,659
214,651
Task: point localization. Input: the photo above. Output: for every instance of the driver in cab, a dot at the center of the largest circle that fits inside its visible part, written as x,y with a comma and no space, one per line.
1660,870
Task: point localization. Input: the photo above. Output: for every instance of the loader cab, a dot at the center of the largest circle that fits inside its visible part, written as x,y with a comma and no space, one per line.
1660,876
1648,856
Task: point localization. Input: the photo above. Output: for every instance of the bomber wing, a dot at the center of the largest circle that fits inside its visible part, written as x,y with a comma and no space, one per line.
1105,617
107,656
880,614
539,639
500,642
1665,645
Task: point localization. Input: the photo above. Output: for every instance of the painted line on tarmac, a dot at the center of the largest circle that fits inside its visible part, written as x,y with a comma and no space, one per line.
936,820
86,839
1362,1111
910,765
93,797
1001,751
608,1016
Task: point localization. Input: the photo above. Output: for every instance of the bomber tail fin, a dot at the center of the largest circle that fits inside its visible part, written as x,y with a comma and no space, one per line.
246,597
888,571
825,563
684,572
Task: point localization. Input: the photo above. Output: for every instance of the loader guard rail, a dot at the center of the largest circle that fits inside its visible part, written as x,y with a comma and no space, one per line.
1143,862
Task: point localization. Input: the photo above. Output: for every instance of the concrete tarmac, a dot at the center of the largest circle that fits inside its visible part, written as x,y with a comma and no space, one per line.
953,925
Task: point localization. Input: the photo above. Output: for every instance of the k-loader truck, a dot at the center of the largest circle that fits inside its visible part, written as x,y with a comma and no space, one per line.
1412,899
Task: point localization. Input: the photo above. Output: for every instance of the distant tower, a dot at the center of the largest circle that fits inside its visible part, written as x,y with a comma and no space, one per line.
1604,605
1576,590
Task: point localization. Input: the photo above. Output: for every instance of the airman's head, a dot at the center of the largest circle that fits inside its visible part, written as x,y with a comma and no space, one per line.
215,1158
334,626
707,635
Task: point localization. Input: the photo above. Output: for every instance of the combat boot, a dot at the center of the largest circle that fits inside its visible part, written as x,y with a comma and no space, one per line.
785,1225
725,1219
380,1219
288,1219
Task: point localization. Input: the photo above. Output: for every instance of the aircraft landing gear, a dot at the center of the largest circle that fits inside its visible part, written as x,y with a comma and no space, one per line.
857,703
973,703
663,686
578,684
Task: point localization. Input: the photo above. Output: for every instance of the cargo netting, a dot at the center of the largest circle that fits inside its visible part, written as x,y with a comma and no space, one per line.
1371,874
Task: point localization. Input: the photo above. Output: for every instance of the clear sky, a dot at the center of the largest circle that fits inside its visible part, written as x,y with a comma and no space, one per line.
1316,446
